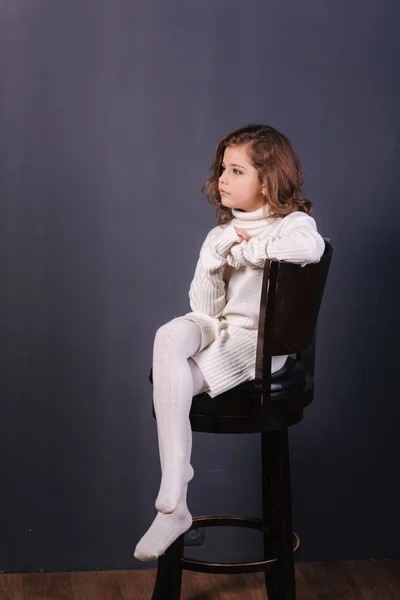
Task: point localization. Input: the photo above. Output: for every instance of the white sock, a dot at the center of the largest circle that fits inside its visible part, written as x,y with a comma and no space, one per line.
164,530
176,379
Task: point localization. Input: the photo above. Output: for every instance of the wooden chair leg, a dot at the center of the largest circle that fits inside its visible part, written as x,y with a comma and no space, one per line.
277,514
169,573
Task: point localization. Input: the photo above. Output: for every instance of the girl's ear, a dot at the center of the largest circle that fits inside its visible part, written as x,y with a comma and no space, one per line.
263,188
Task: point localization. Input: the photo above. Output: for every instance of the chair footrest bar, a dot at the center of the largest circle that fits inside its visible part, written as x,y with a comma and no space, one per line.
266,564
189,564
229,521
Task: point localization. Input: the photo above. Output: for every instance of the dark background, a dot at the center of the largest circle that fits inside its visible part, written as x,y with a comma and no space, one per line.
110,113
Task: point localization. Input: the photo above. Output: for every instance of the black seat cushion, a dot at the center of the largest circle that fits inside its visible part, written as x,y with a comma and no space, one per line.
291,377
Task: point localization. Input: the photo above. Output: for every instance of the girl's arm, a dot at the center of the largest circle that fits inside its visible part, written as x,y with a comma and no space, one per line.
208,288
298,242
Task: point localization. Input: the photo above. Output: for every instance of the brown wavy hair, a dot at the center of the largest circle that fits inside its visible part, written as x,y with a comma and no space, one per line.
278,168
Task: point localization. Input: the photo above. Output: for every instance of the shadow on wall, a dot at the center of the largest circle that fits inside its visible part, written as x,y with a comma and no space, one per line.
349,448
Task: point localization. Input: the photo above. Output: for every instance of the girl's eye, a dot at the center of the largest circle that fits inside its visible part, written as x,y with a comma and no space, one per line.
235,171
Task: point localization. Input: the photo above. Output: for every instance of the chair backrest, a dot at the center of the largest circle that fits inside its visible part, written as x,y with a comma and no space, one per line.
290,301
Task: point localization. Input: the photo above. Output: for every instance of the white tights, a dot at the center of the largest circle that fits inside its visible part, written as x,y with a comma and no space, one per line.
176,379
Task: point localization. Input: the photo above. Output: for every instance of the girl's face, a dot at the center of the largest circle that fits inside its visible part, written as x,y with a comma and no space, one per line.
239,185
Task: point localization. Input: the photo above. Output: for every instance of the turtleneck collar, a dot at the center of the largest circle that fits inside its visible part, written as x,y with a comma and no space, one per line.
256,215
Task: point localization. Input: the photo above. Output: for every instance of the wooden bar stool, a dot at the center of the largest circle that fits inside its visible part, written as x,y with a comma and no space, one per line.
290,302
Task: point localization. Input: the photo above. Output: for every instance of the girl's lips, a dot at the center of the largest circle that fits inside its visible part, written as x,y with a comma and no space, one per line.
223,193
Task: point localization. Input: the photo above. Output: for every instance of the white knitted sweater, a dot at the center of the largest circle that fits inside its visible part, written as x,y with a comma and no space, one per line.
226,289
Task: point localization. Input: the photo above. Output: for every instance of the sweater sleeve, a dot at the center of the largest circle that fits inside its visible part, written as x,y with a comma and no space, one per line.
297,242
208,288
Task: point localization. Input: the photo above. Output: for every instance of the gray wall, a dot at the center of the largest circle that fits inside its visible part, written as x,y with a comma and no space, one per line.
110,112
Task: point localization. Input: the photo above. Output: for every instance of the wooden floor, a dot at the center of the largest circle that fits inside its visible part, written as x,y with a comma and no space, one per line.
351,580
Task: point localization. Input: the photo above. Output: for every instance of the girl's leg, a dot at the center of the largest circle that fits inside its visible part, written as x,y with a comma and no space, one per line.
174,344
176,380
199,385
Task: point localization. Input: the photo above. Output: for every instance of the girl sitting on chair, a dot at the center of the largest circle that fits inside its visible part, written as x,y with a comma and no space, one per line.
255,187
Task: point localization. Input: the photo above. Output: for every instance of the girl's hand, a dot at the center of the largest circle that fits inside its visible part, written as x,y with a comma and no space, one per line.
242,233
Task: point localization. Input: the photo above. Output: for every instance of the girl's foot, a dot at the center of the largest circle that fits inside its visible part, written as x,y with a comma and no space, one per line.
164,530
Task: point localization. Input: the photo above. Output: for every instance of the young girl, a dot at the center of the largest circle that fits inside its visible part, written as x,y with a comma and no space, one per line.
255,186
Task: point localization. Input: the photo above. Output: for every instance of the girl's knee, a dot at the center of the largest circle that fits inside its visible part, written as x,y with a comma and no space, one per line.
162,333
179,333
168,330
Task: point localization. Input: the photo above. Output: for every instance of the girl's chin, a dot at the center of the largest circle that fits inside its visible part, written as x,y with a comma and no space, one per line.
230,204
